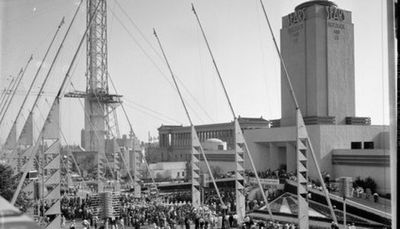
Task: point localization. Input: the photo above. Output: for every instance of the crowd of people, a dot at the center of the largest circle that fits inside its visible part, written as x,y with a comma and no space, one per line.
281,174
228,197
174,210
138,212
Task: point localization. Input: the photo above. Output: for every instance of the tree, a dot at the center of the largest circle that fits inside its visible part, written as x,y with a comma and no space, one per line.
366,183
8,185
359,183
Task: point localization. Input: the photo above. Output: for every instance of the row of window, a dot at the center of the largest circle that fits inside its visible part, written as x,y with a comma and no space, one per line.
183,139
165,157
359,145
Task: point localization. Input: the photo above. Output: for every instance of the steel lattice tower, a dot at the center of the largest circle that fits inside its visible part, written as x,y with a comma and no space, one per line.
96,49
96,76
98,102
101,126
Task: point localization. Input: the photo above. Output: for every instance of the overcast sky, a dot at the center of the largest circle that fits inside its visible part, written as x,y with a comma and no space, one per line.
239,38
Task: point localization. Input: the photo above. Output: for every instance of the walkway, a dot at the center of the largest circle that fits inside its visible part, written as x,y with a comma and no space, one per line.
382,204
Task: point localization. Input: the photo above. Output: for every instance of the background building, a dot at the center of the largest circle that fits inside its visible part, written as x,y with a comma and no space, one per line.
317,43
175,141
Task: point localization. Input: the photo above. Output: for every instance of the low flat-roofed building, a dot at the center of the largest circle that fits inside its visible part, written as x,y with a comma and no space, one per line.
336,148
175,141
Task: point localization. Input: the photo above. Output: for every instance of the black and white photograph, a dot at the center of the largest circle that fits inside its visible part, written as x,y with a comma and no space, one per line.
201,114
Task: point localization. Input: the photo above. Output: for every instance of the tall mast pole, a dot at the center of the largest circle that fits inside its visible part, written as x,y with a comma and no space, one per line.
194,132
35,77
303,143
9,91
132,133
7,105
45,80
6,90
240,143
56,100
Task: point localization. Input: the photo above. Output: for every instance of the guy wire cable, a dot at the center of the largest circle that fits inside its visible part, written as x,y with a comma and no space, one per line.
7,105
188,116
233,112
298,109
35,77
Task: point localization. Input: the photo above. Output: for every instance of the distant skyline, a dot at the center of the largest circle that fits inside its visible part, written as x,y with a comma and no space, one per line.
237,32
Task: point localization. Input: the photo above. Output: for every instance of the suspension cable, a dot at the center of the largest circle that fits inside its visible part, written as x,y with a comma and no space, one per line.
66,77
130,126
6,90
281,59
10,90
92,126
54,60
298,109
66,142
161,116
35,77
188,116
7,105
233,112
214,63
158,55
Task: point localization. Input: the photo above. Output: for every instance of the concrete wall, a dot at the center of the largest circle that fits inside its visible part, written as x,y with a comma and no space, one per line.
291,163
223,167
363,163
340,68
264,146
319,56
341,136
381,175
270,146
171,170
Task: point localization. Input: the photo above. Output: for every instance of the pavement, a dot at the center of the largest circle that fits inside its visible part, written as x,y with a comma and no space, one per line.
382,204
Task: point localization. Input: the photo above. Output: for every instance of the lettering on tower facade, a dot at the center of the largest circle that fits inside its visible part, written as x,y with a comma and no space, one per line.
295,30
335,18
334,13
297,17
